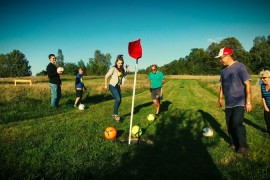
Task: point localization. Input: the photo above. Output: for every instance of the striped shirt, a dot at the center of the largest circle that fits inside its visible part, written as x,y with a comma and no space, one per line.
265,94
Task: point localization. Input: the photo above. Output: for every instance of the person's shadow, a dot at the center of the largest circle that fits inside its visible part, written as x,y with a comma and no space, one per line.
138,108
250,123
213,123
176,151
164,106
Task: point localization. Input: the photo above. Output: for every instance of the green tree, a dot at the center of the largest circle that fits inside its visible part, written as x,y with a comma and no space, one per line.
196,60
239,52
100,64
14,64
82,65
4,66
70,68
42,73
214,64
260,54
59,59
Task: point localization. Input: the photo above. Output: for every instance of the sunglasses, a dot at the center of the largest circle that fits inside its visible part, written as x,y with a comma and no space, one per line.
263,78
154,69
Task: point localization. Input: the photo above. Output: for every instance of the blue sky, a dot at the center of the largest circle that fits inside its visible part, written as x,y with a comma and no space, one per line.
168,29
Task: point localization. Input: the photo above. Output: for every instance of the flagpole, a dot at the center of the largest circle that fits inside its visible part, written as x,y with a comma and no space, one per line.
133,98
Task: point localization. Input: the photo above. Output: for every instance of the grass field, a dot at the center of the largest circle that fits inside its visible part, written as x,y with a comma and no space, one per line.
37,142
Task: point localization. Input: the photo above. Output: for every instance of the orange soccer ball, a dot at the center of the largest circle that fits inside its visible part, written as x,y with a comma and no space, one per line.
110,133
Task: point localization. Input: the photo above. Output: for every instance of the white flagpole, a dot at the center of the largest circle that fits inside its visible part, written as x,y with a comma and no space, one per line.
133,98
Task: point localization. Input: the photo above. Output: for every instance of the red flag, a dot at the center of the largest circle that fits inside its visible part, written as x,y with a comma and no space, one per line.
135,49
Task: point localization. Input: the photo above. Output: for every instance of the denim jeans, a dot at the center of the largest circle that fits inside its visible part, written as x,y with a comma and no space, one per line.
116,92
55,94
235,126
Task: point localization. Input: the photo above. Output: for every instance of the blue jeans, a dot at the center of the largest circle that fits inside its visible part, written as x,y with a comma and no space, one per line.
235,126
116,92
55,94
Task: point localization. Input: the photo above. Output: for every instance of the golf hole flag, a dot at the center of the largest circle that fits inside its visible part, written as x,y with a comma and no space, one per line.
135,51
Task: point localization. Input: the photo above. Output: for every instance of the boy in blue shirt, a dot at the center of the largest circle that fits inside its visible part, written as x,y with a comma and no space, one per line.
79,85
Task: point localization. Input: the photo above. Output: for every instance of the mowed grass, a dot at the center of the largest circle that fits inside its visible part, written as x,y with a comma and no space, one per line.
37,142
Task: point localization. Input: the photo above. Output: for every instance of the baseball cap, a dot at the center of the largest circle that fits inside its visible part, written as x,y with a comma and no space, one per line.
224,51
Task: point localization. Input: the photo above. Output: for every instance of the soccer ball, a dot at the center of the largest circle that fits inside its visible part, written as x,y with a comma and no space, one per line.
136,131
208,132
110,133
60,70
151,117
81,107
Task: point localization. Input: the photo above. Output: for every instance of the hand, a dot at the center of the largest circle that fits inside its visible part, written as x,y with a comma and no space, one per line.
127,68
105,86
248,107
219,103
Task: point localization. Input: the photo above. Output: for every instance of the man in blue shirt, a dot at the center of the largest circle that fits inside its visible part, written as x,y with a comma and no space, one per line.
235,86
157,80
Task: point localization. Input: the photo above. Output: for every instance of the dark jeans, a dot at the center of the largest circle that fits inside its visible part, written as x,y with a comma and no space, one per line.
55,94
116,92
236,128
267,120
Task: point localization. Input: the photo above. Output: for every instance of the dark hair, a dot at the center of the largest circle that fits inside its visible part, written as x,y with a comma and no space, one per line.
154,65
77,70
50,55
120,58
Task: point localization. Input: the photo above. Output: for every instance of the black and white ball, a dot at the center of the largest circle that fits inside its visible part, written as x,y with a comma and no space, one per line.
208,132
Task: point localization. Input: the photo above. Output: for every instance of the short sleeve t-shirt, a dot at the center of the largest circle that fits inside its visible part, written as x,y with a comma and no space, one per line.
156,79
232,79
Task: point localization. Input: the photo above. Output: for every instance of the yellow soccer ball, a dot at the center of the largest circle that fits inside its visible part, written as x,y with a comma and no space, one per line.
136,131
151,117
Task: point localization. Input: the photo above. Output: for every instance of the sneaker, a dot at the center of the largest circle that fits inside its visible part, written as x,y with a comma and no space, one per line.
232,147
116,117
75,106
243,150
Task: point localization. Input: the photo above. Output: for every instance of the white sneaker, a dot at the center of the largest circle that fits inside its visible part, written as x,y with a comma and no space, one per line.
116,117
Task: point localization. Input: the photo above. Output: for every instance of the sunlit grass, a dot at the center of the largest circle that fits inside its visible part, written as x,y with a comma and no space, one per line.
37,142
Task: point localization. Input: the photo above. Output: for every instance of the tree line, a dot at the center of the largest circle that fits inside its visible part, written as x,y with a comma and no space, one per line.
14,64
198,62
202,62
98,65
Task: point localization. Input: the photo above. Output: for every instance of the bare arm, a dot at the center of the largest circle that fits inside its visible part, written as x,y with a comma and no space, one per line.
248,96
163,81
220,96
264,105
106,82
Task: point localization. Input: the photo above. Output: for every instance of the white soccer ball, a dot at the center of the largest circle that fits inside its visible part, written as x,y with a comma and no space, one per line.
60,70
81,107
151,117
208,132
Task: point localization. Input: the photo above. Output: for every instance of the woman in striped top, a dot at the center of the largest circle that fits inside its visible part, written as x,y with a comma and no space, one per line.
265,90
